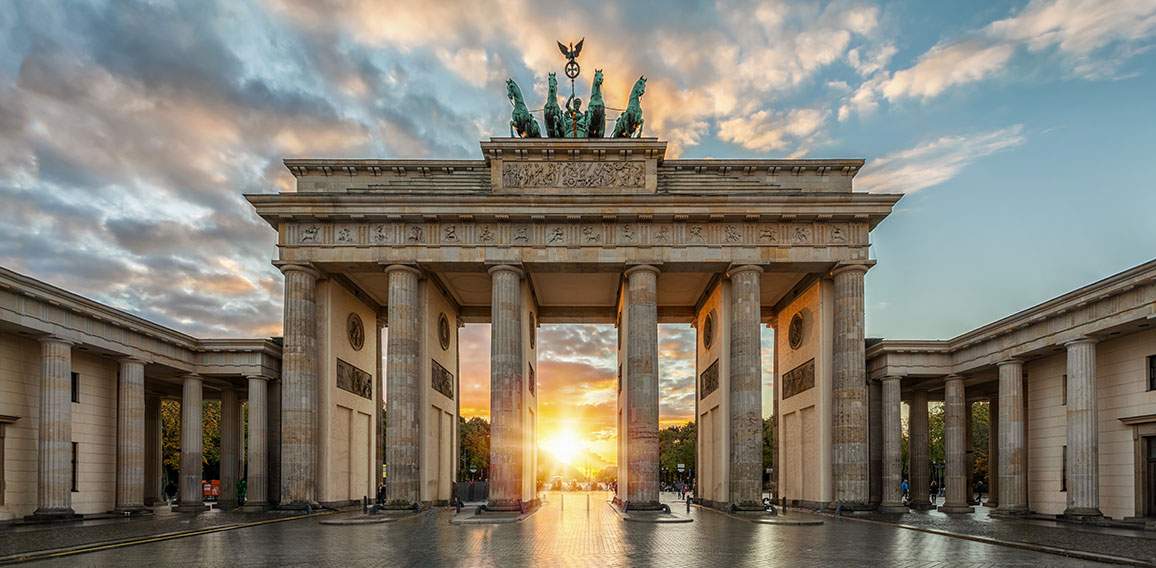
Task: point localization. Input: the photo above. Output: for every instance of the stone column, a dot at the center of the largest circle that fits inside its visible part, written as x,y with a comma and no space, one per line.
891,431
746,397
402,384
192,440
919,450
153,433
257,480
273,428
1083,430
954,442
642,382
875,440
230,452
993,452
506,459
54,466
969,452
130,437
1013,462
299,388
849,446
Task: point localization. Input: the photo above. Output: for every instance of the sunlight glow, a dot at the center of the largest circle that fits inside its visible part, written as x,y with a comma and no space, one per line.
564,446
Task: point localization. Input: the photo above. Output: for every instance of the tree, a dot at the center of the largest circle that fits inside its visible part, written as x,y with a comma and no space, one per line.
768,443
171,438
676,445
474,437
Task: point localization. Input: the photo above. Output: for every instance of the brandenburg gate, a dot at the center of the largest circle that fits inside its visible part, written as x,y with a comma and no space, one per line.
571,230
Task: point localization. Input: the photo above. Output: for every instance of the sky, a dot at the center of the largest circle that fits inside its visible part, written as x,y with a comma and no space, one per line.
1020,132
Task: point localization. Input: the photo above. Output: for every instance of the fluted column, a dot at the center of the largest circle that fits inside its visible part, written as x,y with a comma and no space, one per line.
746,400
642,382
403,360
850,455
130,436
299,388
1083,430
273,420
919,450
192,446
875,439
969,452
230,451
506,460
1013,459
954,442
993,452
153,433
54,465
891,428
257,479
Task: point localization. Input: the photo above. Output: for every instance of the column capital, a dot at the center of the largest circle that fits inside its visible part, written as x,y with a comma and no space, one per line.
954,377
257,377
55,339
403,268
303,268
892,378
841,268
1081,340
507,268
192,377
130,359
642,268
1010,361
740,268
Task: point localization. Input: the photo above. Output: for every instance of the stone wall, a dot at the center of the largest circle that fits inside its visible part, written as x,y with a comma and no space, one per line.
439,414
713,364
1122,383
803,434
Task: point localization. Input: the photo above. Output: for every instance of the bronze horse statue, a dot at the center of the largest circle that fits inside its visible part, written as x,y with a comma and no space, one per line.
596,109
522,124
629,123
555,128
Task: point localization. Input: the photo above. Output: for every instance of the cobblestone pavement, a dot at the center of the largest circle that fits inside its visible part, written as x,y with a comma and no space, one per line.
567,535
1136,544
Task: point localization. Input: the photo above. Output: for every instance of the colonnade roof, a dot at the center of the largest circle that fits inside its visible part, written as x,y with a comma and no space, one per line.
34,309
1120,304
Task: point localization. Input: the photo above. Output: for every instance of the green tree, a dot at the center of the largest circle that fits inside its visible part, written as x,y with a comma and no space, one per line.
171,438
768,443
676,445
474,437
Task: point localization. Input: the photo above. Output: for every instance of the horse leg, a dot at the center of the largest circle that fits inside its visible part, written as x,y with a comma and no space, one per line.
640,121
512,134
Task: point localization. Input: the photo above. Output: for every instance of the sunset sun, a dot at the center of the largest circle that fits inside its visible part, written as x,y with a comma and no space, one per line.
563,446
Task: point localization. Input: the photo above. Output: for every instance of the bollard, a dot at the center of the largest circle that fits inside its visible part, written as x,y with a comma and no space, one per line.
688,505
364,504
587,501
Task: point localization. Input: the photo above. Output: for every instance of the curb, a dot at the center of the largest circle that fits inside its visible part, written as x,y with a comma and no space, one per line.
1077,554
121,543
767,520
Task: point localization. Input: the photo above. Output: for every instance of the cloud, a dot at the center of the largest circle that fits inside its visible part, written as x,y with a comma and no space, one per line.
767,131
934,162
946,66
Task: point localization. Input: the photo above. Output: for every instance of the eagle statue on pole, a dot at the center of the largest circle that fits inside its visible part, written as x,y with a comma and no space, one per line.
572,52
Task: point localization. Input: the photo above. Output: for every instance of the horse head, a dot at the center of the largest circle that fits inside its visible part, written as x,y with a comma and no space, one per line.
553,81
639,87
597,77
512,89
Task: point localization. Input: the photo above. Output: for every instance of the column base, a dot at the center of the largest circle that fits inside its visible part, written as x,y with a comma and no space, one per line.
1008,511
132,511
742,506
505,505
298,506
850,506
227,504
256,506
647,506
892,508
920,506
52,515
1082,513
190,507
954,508
992,504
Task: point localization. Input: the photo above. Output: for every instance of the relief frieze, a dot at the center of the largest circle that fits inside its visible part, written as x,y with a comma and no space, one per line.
799,379
578,175
574,234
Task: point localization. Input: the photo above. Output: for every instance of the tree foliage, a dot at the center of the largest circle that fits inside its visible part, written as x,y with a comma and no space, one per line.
676,445
171,438
474,436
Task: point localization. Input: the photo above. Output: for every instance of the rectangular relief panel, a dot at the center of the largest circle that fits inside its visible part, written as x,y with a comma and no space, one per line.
708,381
441,380
354,380
799,379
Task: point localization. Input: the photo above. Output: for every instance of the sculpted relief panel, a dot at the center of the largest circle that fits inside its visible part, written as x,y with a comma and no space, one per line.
581,233
577,175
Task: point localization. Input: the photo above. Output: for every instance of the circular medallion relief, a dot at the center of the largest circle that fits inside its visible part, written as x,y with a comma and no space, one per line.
708,330
533,331
356,331
444,331
795,331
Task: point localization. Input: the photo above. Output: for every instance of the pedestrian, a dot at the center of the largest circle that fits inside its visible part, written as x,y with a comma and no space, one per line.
905,488
171,492
241,487
934,491
979,491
